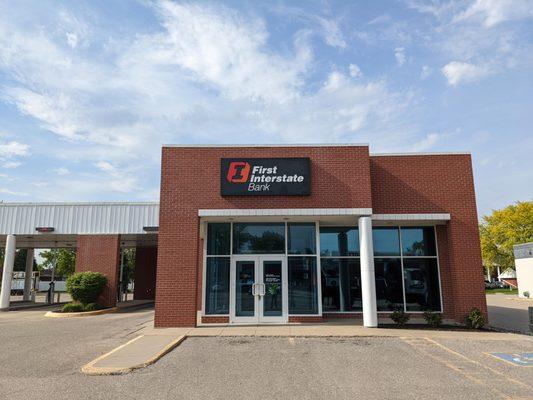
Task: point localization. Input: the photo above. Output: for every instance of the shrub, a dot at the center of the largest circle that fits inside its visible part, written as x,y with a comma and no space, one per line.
433,319
72,307
475,319
91,307
399,317
85,287
526,294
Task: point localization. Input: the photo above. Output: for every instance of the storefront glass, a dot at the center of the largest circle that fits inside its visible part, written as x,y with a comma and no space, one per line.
302,238
418,241
303,290
421,278
217,285
386,241
258,238
341,284
339,241
218,239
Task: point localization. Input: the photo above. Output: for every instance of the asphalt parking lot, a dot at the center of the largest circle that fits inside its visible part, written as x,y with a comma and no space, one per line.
509,312
41,358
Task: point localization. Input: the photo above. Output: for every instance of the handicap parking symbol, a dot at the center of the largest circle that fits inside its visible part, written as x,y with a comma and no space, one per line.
522,359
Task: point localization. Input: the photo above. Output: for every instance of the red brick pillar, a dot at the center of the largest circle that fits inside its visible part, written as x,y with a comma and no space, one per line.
101,253
145,273
466,265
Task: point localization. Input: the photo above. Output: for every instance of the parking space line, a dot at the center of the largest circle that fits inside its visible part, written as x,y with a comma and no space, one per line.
468,368
507,361
512,380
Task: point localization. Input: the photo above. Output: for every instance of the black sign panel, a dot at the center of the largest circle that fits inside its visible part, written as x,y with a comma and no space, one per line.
265,177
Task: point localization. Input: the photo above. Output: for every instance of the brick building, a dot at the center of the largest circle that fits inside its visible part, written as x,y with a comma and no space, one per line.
281,234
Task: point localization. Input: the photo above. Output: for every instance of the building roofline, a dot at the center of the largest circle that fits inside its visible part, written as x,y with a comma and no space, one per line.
81,203
270,145
436,153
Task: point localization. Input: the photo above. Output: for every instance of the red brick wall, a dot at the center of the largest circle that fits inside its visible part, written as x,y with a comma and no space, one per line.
100,253
190,180
215,320
433,184
145,273
342,177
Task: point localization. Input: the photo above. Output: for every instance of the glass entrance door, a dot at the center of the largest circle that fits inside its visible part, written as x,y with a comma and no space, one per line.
259,289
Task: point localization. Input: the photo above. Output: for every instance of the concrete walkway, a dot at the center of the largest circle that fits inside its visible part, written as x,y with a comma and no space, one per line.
153,343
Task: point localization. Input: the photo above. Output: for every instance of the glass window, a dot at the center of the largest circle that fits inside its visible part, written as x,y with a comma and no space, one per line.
421,277
217,285
386,241
341,284
302,238
389,290
218,239
418,241
339,241
258,238
302,285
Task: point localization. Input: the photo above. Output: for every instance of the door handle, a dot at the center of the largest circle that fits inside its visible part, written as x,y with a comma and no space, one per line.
253,289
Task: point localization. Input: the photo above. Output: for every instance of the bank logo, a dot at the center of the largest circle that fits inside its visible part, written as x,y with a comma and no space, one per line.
238,172
265,176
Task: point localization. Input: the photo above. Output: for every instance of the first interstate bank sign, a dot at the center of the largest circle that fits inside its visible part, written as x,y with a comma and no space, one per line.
265,177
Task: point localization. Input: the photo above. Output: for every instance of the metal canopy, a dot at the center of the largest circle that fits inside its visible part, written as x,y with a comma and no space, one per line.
135,222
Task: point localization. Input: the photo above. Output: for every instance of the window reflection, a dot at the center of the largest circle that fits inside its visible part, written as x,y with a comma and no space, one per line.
256,238
389,286
218,239
418,241
386,241
339,241
217,285
302,285
341,284
421,279
302,238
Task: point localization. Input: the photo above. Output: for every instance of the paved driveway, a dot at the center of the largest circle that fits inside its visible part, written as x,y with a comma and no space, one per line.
41,358
509,312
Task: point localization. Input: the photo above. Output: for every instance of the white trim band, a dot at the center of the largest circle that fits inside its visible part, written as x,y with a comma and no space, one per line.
411,217
281,212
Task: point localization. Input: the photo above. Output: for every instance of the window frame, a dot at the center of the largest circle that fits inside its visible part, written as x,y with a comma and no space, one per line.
286,255
319,266
401,257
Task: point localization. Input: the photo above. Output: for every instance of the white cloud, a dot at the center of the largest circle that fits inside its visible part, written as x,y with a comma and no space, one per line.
426,72
494,12
11,164
222,48
332,33
11,149
208,74
12,192
457,72
426,143
72,39
399,54
355,71
61,171
106,166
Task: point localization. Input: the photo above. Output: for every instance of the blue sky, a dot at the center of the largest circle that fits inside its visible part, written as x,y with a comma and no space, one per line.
90,90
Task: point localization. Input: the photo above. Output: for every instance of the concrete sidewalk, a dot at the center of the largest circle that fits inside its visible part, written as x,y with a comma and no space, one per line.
153,343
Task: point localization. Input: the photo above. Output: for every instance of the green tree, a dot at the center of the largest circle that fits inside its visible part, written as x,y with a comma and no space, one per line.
503,229
128,271
65,261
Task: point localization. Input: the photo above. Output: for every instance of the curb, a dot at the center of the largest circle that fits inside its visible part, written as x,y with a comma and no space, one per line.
54,314
90,369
